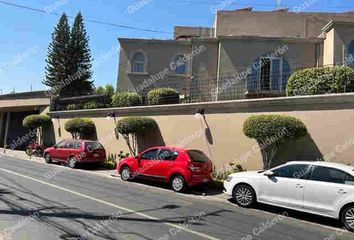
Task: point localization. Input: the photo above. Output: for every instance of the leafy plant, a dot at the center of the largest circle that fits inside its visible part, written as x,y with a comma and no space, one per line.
270,130
91,105
125,99
321,80
73,106
131,127
108,89
159,96
122,155
233,168
80,127
36,122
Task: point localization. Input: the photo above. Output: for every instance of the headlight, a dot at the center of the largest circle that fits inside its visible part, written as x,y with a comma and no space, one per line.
228,179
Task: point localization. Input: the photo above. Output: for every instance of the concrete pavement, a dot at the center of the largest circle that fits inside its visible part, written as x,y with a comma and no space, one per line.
38,201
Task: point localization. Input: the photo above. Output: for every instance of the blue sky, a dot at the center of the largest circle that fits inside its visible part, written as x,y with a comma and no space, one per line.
25,35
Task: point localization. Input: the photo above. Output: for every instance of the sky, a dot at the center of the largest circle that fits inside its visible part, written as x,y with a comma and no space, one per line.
25,34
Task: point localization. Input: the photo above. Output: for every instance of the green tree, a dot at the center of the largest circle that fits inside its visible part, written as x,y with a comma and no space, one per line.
57,70
80,60
270,130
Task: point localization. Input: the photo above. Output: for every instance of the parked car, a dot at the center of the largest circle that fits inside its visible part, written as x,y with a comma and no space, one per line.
177,166
321,188
74,152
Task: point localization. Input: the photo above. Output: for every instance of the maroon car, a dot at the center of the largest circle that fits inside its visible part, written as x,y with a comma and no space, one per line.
73,152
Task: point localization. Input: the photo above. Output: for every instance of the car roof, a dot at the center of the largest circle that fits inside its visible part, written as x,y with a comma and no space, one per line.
179,149
77,140
325,164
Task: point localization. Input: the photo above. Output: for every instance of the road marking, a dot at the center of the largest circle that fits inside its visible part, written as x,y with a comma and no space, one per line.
112,205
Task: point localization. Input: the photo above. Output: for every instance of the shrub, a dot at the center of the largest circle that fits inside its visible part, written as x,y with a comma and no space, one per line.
125,99
73,106
91,105
108,89
131,127
80,127
160,96
35,121
270,130
321,80
233,168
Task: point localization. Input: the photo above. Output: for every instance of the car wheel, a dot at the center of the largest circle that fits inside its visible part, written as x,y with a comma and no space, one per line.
72,162
126,173
244,196
178,183
347,218
48,158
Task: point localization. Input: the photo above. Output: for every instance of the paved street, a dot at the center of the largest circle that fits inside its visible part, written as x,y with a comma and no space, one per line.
41,201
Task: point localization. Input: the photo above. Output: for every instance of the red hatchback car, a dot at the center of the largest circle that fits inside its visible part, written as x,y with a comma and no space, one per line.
177,166
74,152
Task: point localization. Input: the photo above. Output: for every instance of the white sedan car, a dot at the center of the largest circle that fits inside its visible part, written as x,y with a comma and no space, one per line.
320,188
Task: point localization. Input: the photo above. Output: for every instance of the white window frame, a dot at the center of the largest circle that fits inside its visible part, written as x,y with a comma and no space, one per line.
271,73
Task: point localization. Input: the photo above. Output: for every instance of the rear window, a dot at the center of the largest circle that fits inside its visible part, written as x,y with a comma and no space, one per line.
91,146
197,156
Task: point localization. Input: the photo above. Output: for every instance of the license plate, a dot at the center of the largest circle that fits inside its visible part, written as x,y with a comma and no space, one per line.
206,180
96,155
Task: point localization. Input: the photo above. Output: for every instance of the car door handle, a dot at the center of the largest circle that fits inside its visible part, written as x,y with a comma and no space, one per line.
170,166
341,191
299,185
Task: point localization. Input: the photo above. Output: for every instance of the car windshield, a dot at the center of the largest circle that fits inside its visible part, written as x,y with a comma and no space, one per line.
197,156
90,146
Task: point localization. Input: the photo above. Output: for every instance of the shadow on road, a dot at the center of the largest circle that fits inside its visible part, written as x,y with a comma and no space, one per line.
297,214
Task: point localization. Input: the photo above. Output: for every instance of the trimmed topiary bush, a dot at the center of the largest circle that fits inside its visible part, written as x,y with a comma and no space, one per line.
321,80
80,127
125,99
131,127
270,130
35,121
159,96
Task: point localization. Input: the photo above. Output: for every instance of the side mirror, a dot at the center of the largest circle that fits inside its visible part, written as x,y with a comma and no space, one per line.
269,173
55,146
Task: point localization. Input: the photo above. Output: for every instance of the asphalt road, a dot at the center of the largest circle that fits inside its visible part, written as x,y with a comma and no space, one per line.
39,201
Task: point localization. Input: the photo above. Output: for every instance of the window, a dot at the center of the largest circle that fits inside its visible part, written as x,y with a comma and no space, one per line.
349,179
197,156
61,144
151,154
77,145
350,58
265,74
270,77
180,65
91,146
168,155
70,145
330,175
138,63
299,171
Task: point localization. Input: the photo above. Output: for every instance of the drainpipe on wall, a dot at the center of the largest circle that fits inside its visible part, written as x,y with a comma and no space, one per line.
218,71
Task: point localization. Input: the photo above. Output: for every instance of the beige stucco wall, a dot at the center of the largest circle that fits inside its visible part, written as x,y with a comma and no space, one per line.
275,24
328,118
328,45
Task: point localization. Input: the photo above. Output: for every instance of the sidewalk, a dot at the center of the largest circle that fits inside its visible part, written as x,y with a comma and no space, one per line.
204,194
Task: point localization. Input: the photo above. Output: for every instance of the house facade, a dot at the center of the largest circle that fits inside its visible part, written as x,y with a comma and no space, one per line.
245,54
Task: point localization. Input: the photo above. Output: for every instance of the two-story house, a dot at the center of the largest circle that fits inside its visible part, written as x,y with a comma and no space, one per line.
245,54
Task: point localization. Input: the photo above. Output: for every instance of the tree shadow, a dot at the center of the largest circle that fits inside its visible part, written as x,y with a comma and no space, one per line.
303,149
150,139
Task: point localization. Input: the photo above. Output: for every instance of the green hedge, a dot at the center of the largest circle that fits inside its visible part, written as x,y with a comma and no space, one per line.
321,80
159,96
135,125
83,127
279,126
125,99
35,121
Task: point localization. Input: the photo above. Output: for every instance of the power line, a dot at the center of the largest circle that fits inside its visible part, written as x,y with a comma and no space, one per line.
86,20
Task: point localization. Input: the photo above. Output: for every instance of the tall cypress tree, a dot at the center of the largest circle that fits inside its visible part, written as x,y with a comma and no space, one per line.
80,60
57,69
